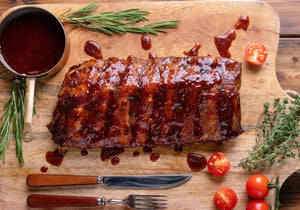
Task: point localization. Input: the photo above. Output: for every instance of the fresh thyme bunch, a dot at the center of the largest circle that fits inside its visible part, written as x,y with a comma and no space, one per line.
115,22
276,139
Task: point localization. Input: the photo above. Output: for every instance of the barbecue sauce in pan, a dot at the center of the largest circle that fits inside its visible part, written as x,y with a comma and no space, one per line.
31,44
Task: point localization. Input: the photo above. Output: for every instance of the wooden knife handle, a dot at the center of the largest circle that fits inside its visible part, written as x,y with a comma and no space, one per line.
38,200
43,180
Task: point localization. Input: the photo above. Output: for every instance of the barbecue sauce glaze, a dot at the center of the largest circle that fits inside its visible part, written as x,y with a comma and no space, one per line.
131,95
32,43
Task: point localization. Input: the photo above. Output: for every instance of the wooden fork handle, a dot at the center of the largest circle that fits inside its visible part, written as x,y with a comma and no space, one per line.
39,200
43,180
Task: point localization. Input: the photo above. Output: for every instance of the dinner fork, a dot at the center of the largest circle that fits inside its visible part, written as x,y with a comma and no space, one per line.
132,201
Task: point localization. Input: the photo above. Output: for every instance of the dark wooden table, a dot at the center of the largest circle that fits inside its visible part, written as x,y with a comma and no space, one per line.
288,59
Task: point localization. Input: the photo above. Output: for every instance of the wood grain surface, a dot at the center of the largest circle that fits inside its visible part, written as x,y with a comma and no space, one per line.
200,22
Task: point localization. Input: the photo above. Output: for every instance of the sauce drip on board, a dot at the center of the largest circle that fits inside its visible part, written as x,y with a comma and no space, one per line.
93,49
147,150
223,43
196,162
242,23
44,169
136,153
178,149
84,152
146,42
106,154
154,157
32,43
56,157
194,51
115,161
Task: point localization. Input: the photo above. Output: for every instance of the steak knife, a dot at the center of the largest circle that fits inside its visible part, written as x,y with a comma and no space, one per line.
139,181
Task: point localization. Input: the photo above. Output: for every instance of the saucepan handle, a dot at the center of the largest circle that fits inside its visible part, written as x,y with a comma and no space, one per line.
27,134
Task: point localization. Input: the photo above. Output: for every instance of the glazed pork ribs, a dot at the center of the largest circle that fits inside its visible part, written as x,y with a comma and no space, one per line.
133,102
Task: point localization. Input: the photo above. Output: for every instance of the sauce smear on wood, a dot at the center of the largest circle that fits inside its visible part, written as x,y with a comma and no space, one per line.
56,157
84,152
194,51
154,157
44,169
106,154
196,162
115,161
93,49
242,23
223,43
147,150
146,42
136,153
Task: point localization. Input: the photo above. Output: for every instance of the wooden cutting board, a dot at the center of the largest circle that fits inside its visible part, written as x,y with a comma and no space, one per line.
200,22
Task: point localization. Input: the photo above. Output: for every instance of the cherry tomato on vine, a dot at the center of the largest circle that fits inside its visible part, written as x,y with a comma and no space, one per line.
256,53
258,205
257,186
225,199
218,164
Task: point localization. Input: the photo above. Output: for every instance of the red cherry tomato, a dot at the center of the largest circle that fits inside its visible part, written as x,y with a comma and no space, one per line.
256,53
257,186
225,199
218,164
258,205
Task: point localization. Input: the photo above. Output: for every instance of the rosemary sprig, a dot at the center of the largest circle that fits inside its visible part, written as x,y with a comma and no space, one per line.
115,22
276,139
13,119
13,115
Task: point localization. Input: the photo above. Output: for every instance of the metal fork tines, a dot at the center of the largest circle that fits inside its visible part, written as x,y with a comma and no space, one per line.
139,201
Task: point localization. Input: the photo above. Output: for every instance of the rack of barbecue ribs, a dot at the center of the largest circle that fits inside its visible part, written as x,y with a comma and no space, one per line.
169,101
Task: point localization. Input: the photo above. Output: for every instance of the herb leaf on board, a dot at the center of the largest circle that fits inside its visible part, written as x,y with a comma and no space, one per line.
277,134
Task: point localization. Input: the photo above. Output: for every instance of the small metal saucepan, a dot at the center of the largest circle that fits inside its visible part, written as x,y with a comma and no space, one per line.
33,43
